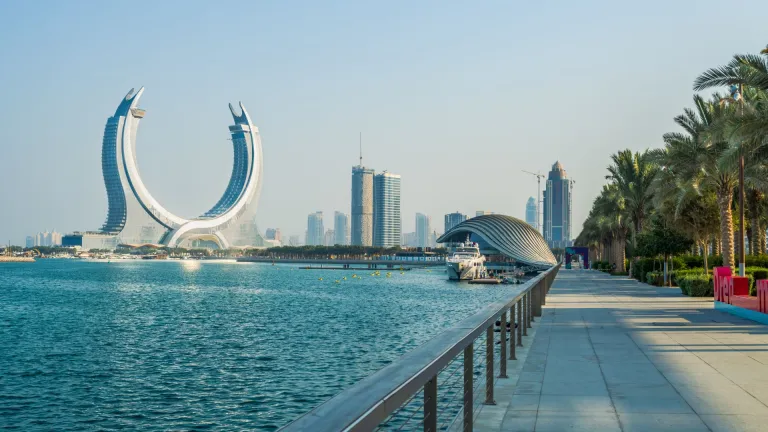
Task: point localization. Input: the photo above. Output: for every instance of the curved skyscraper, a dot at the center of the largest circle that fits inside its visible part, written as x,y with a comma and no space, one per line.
135,217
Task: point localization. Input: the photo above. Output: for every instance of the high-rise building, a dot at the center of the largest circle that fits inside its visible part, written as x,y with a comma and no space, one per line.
362,206
330,238
483,213
294,241
423,230
30,241
557,208
409,240
273,234
530,213
46,238
453,219
341,228
386,210
315,229
135,216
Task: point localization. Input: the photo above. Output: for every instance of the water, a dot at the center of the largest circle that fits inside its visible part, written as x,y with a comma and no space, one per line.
180,345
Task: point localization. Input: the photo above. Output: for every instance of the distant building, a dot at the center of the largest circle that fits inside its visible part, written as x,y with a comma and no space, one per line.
330,238
410,239
530,213
315,229
45,238
362,206
433,238
273,234
294,240
387,225
483,213
423,230
557,208
453,219
341,228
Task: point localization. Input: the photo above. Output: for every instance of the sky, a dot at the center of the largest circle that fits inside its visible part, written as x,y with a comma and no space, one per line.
456,97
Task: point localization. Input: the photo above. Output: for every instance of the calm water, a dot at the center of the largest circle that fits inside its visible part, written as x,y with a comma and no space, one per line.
203,345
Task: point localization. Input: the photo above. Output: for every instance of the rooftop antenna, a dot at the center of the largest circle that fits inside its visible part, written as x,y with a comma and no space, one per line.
361,149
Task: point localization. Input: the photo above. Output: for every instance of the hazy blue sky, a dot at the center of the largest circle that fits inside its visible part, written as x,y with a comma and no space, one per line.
457,97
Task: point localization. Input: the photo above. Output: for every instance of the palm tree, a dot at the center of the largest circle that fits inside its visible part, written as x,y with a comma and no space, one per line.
699,161
745,127
633,176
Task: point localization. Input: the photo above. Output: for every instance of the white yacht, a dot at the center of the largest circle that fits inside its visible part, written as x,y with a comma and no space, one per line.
466,263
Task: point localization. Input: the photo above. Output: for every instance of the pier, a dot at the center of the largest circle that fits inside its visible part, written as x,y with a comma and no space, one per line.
597,353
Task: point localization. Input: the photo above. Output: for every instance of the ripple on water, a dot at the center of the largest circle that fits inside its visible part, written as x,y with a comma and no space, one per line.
218,346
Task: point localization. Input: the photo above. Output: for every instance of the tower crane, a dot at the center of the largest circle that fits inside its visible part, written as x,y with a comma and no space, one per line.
538,176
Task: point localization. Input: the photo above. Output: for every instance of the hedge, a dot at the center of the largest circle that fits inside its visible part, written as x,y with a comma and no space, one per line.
696,285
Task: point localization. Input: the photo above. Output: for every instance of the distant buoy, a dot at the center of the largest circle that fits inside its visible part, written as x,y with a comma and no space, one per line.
319,278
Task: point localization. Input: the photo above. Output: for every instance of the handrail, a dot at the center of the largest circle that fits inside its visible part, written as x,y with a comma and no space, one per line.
370,401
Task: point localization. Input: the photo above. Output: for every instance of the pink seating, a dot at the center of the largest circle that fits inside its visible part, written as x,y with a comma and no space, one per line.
762,295
720,283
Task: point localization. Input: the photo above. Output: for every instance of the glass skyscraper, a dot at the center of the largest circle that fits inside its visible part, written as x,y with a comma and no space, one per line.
341,228
453,219
530,213
557,208
386,210
362,206
423,230
315,229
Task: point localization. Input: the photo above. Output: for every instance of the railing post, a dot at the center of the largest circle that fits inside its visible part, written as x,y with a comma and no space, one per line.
512,333
503,347
529,309
534,299
489,366
538,295
524,323
469,386
544,291
520,323
430,405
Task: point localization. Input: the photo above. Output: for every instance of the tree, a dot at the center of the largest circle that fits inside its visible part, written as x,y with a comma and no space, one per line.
664,240
633,176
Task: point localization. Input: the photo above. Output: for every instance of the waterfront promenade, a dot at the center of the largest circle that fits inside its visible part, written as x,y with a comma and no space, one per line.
611,354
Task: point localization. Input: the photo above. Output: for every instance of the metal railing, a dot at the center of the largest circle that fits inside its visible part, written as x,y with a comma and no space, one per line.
436,384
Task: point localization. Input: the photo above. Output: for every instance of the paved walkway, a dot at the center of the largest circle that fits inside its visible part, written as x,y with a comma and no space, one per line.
611,354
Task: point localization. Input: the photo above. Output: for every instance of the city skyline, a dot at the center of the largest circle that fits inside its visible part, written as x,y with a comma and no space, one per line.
295,89
557,208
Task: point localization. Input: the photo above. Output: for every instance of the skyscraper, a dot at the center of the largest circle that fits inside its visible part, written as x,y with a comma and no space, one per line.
453,219
362,206
557,208
530,213
386,210
30,241
423,230
483,213
330,237
315,229
341,228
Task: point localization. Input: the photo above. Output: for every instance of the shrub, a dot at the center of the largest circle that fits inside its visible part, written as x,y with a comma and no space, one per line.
677,274
696,285
654,278
756,274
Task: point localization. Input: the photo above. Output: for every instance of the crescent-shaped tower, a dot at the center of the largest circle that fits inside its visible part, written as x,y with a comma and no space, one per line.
135,217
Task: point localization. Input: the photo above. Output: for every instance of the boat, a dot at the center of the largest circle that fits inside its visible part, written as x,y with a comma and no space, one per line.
466,263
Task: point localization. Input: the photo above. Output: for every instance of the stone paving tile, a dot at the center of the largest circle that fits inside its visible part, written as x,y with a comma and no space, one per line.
633,422
613,354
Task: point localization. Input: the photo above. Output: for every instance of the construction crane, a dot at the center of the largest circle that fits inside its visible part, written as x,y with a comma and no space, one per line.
538,176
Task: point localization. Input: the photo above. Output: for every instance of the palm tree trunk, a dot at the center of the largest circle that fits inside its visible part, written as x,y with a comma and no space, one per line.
724,199
706,264
754,242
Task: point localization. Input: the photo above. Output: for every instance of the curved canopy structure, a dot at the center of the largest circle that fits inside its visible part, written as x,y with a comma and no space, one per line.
510,236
